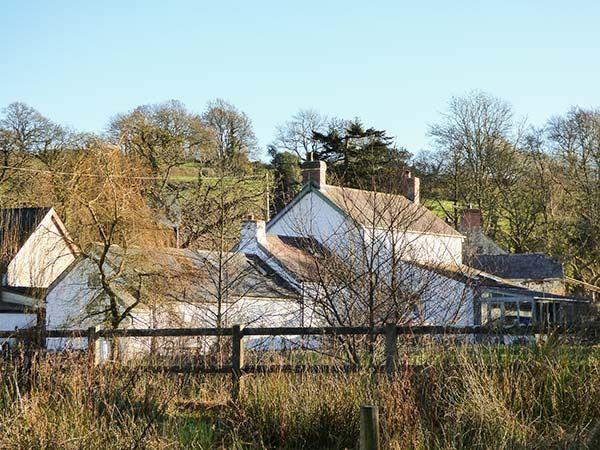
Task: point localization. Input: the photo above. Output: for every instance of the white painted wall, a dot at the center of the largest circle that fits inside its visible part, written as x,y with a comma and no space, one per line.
447,301
10,321
433,248
42,258
313,216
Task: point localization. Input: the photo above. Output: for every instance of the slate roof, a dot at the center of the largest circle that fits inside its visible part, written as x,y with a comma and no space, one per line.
376,209
16,226
520,266
481,279
196,275
465,274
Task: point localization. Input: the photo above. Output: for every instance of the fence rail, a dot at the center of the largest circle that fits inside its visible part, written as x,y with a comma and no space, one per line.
237,367
591,329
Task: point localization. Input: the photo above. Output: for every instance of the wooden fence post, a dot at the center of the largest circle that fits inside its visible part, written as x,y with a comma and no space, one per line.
369,428
391,348
92,346
237,360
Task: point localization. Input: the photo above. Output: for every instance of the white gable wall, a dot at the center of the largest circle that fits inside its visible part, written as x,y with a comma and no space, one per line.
314,216
68,301
43,257
431,247
446,301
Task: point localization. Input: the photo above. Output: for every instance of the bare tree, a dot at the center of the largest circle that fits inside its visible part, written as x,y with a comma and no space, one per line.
215,207
478,138
296,135
374,268
163,137
234,135
108,214
575,144
28,140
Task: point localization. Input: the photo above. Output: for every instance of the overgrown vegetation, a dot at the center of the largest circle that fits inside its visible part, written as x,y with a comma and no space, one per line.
547,396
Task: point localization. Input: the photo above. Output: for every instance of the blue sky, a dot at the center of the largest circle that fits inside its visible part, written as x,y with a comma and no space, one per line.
395,64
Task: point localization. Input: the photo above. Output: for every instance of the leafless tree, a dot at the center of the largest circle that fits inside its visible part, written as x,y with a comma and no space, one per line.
163,137
478,138
574,141
296,135
234,135
107,214
215,206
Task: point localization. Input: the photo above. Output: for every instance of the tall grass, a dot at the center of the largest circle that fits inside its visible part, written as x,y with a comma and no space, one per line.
539,397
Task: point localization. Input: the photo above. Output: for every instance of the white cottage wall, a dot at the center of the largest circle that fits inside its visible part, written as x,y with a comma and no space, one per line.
43,257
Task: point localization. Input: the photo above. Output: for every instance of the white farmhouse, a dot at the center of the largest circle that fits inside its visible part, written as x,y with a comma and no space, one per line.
332,241
332,256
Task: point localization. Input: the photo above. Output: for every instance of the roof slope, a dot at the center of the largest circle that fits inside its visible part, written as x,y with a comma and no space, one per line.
298,255
196,275
16,226
379,210
520,266
481,279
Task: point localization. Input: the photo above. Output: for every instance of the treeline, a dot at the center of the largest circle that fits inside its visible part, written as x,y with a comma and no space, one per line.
538,187
120,187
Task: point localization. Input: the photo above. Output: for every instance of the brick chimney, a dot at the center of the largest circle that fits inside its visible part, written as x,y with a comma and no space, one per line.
411,187
253,232
315,171
471,219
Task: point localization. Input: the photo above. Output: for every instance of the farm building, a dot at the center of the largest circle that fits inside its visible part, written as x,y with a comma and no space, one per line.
320,261
34,250
169,288
403,244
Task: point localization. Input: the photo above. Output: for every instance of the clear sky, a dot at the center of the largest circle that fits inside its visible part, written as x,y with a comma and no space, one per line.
395,64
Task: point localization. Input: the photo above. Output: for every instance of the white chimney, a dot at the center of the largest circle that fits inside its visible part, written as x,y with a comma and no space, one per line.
253,232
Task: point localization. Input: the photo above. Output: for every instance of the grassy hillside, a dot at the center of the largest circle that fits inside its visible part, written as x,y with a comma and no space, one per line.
438,206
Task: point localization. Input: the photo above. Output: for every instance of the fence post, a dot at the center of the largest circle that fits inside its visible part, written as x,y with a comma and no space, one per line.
92,346
237,360
391,348
369,428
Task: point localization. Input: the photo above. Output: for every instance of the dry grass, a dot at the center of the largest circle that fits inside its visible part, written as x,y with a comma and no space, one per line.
542,397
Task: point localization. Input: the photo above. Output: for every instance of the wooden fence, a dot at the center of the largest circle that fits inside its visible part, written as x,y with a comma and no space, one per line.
237,367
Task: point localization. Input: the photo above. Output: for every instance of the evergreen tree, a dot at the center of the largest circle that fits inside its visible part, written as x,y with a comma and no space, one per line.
355,154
